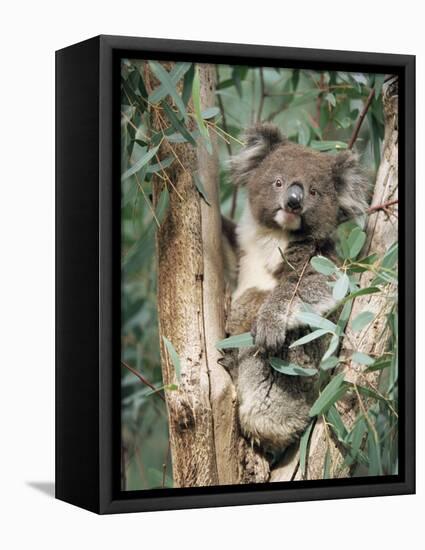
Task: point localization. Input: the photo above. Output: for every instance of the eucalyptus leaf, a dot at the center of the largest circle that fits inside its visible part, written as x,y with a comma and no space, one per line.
371,393
332,393
327,465
323,265
328,145
159,166
169,85
345,315
333,346
211,112
329,363
140,163
363,265
187,84
306,97
374,453
177,124
386,273
177,72
238,341
336,423
340,288
290,369
380,364
308,338
175,359
355,241
304,442
196,97
362,320
362,358
330,98
390,257
177,137
355,438
200,187
316,321
362,292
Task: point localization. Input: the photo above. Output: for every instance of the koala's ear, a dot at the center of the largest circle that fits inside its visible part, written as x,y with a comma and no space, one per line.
352,185
260,141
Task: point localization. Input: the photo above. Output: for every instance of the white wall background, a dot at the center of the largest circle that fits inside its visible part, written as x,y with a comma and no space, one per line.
30,31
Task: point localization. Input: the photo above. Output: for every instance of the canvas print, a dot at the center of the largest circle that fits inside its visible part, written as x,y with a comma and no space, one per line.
259,254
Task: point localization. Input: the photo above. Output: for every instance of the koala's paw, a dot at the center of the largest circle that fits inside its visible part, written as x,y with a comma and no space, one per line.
228,361
268,332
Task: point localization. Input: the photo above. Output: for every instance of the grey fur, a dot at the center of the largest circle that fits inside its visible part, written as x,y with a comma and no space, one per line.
260,140
352,185
273,408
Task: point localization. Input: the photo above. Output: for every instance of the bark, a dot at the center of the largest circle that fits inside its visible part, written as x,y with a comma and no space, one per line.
382,232
206,446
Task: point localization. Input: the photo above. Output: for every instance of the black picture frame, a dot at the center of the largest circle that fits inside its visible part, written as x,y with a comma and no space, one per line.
88,274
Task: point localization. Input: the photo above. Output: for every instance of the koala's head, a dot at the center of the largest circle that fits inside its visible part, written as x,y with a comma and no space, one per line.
296,188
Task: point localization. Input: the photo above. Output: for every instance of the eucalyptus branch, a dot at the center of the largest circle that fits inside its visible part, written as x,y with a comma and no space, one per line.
142,379
359,122
276,112
384,206
262,94
234,201
319,98
223,114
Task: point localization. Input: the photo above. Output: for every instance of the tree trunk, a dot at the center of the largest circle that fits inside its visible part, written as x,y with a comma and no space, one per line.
381,234
206,446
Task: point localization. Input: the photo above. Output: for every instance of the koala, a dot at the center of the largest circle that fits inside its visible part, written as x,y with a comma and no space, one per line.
296,197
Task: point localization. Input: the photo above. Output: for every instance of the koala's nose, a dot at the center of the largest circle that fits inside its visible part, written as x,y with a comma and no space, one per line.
294,197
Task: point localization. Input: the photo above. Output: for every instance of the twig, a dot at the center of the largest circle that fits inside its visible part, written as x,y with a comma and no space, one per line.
361,118
319,99
262,95
223,115
164,466
384,206
223,133
148,202
297,286
234,201
286,260
276,112
329,443
143,379
365,413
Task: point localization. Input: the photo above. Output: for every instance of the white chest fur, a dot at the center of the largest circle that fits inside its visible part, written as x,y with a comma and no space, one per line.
261,254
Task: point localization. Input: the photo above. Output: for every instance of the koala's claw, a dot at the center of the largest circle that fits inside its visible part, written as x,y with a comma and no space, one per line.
268,334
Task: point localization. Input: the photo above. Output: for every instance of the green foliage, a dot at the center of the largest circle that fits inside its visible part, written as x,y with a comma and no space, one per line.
331,393
323,265
238,341
200,187
317,109
290,369
374,431
304,443
175,359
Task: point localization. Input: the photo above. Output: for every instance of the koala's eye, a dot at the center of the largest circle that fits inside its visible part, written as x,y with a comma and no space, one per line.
313,191
278,182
